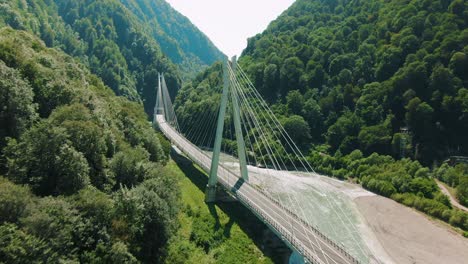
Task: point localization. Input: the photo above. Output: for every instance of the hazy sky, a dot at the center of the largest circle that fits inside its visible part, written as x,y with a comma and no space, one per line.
228,23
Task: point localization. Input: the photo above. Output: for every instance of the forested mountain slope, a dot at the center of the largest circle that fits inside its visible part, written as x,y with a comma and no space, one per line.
116,42
179,39
358,71
83,167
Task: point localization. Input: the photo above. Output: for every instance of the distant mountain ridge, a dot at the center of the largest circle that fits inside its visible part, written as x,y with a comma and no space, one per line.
179,39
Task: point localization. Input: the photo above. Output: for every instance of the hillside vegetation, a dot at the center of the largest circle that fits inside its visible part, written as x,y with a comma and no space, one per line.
225,233
83,170
123,46
368,69
369,89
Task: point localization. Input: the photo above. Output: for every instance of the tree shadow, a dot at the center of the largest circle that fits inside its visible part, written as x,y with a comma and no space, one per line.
237,213
227,228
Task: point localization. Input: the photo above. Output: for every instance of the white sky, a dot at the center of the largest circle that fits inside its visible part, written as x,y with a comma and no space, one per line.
228,23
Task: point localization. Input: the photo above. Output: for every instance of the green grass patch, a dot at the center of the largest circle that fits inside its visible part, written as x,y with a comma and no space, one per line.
214,233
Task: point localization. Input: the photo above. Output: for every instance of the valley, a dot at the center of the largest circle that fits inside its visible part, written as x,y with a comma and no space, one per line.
337,136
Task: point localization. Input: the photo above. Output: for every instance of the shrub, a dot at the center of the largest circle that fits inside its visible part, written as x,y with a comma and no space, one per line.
15,201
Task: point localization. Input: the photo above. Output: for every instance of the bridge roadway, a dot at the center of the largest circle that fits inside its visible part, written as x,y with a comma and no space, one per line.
308,241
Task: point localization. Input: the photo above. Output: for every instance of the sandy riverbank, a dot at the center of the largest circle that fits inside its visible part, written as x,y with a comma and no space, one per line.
408,236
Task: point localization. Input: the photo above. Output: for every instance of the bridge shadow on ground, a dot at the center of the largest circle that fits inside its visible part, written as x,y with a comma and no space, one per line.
265,240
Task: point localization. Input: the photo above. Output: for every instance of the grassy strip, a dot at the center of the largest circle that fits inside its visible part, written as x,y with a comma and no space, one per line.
220,233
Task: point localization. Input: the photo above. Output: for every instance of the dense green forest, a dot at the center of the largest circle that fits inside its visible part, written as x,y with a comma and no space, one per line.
120,45
370,89
83,171
372,68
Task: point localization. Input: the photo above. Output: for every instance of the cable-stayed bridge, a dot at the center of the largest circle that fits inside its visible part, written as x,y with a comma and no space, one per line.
243,125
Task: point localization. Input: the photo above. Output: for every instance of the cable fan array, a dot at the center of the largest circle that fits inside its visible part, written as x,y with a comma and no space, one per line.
269,145
270,149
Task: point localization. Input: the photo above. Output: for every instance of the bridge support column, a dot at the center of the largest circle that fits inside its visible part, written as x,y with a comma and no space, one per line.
238,128
210,194
159,106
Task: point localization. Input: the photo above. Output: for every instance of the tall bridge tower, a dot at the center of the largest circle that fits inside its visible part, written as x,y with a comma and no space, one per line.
210,194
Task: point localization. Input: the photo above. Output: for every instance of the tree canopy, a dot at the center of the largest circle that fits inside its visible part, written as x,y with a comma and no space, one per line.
374,59
77,160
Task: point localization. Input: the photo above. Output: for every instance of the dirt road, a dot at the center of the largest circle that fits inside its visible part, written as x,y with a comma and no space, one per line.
453,201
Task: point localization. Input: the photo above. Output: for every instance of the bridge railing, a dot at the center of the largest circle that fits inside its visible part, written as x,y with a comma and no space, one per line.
293,215
280,229
309,226
301,248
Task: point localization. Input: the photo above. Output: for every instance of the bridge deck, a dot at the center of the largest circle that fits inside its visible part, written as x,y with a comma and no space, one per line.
304,238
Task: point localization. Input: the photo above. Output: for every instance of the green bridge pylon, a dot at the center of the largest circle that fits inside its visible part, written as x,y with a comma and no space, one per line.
210,194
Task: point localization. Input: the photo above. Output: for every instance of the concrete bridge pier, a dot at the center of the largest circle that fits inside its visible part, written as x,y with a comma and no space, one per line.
216,194
210,193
